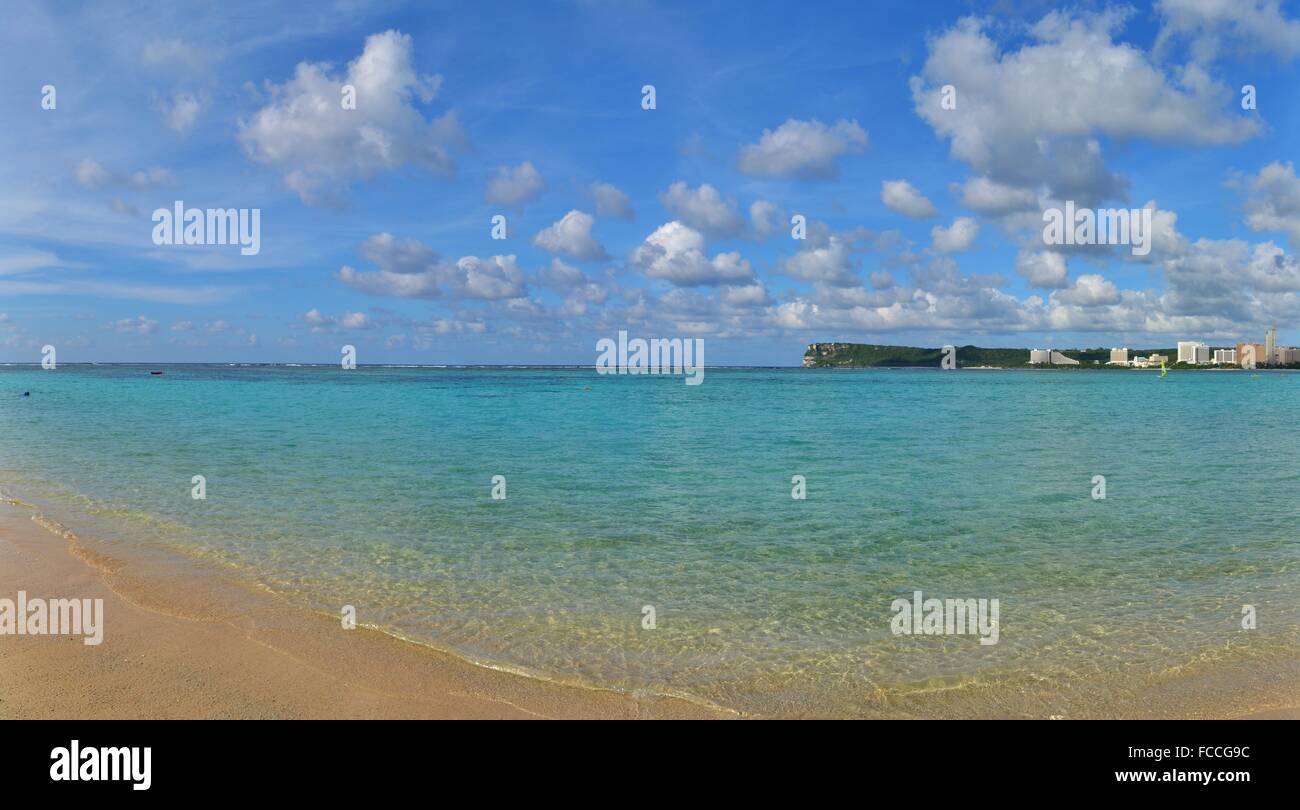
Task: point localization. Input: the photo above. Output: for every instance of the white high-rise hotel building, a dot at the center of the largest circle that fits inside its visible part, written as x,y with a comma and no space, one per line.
1193,352
1225,357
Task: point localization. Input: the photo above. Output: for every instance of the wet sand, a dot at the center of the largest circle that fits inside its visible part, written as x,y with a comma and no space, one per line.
184,642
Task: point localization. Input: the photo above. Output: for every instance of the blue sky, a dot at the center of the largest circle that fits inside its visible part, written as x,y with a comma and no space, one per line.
924,224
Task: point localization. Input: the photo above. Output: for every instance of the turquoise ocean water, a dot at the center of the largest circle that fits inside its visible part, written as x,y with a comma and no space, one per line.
372,487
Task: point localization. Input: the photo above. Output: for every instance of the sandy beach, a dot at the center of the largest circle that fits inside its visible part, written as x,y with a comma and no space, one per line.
182,642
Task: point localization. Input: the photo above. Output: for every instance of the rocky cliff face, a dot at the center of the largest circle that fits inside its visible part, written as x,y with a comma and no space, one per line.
819,351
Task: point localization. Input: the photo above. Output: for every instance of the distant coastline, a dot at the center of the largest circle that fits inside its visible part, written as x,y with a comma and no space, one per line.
871,355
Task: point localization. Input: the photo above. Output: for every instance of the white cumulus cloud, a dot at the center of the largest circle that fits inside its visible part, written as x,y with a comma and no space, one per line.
904,198
571,236
1045,269
1034,116
514,186
1274,201
703,208
807,149
322,148
956,237
675,252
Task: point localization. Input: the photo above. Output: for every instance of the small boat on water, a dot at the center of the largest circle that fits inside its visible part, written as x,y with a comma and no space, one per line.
156,373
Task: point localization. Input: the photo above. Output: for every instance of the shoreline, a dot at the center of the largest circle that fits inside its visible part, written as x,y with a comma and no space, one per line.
183,639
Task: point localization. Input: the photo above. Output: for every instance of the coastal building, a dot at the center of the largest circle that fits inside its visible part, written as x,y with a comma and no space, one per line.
1287,356
1050,357
1150,361
1118,357
1270,346
1193,352
1225,357
1250,354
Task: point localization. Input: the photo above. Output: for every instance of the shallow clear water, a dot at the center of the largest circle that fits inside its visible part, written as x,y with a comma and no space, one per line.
372,487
